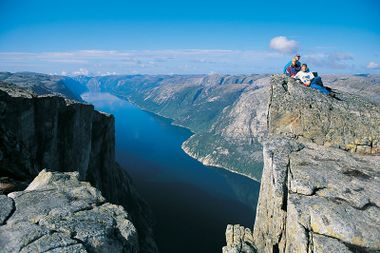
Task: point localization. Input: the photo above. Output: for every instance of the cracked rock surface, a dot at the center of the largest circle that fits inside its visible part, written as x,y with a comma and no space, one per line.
320,185
348,122
59,213
317,199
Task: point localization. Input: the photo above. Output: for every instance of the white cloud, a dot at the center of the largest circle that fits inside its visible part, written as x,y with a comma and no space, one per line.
178,61
181,61
283,45
373,65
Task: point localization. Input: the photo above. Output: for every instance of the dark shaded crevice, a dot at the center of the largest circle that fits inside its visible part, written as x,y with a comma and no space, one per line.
313,193
60,247
317,189
361,208
251,137
284,85
197,94
73,235
242,80
358,174
14,156
39,141
11,212
351,247
309,237
89,208
367,206
310,241
358,249
51,232
283,233
275,248
221,80
285,186
269,108
32,241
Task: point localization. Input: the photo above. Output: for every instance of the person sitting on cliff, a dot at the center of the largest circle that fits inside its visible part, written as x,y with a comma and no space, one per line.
293,68
298,56
308,79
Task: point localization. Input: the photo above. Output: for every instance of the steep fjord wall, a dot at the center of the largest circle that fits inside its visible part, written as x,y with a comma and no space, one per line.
319,189
48,131
226,113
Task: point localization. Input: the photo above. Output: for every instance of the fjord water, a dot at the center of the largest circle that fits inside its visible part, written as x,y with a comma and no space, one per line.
191,203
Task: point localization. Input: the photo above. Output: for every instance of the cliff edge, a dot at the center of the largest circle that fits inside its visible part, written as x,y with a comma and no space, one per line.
319,190
49,131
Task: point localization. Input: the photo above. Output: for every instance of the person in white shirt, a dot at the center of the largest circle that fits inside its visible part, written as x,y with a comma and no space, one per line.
308,79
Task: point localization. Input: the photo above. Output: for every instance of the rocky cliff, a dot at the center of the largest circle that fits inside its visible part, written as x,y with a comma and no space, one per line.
233,140
319,190
58,213
49,131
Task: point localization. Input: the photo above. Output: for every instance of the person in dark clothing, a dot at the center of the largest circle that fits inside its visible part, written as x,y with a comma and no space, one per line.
290,63
293,68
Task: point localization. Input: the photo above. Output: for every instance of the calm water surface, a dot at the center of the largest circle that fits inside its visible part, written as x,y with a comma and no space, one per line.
192,203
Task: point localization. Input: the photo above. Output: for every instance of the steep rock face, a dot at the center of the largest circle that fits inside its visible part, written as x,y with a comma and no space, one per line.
234,139
58,213
315,195
317,199
48,131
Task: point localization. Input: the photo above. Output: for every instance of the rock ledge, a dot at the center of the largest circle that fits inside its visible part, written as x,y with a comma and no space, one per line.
59,213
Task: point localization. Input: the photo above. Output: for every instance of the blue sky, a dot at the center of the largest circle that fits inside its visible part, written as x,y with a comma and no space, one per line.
102,37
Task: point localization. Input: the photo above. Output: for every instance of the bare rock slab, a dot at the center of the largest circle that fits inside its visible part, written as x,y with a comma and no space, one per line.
59,213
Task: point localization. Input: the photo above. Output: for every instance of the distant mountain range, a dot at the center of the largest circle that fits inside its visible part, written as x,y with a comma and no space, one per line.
226,113
319,188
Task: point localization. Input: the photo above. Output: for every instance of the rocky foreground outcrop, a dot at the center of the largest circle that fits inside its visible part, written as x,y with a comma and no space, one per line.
59,213
320,185
49,131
